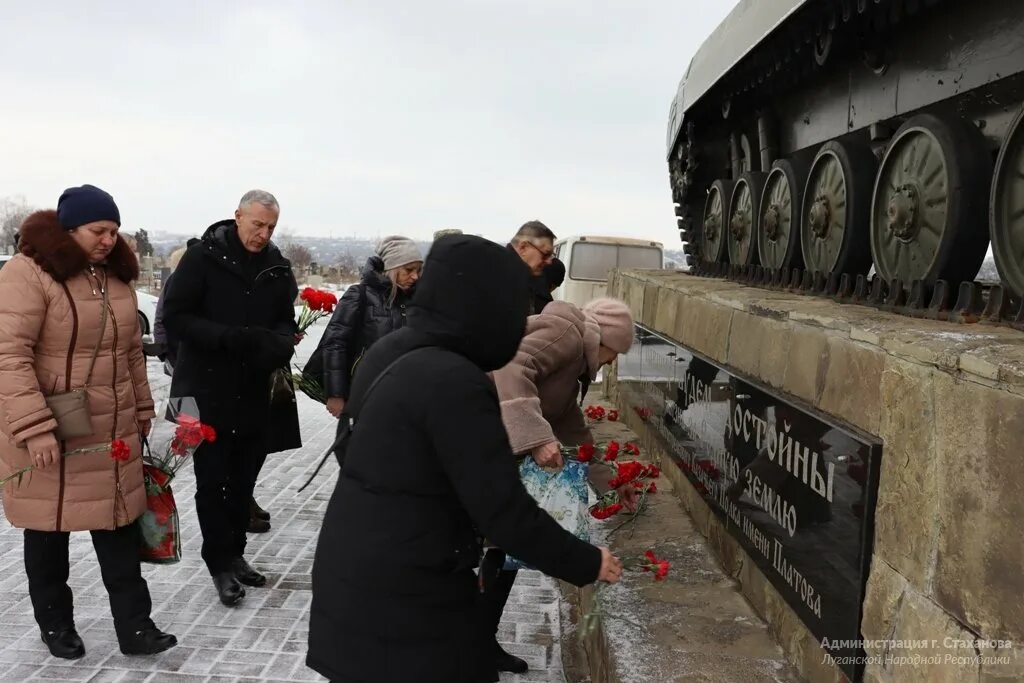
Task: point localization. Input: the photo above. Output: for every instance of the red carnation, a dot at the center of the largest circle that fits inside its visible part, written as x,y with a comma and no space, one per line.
613,416
651,471
649,487
606,512
611,451
632,449
120,451
209,433
585,453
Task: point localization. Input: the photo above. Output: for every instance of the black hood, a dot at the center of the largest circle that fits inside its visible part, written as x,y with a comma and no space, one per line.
472,299
374,276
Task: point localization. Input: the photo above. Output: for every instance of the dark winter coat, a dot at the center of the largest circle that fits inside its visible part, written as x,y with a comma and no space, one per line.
232,316
429,466
527,290
540,289
364,314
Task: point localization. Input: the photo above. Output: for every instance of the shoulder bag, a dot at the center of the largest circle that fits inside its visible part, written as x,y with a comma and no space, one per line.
71,408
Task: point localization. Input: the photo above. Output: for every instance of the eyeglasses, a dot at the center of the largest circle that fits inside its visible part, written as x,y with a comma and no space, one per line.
545,255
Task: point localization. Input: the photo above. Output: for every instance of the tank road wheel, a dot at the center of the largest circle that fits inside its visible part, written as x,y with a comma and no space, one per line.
930,200
716,225
778,224
1007,211
743,211
836,210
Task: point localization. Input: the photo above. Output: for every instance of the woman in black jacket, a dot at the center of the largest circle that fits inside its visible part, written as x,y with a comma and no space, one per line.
429,469
366,312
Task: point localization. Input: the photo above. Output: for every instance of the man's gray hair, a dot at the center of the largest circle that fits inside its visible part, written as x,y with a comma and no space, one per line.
259,197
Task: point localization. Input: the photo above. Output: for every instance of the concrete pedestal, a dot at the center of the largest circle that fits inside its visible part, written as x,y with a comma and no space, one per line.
947,403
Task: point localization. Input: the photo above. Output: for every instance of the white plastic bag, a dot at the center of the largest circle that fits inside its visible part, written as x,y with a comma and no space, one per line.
562,494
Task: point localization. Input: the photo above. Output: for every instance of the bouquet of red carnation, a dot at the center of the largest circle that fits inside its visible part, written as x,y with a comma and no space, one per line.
161,532
594,413
316,303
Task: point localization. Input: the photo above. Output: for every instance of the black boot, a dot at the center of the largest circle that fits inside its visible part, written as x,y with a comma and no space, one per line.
257,512
228,588
257,525
508,662
64,643
496,585
147,641
245,573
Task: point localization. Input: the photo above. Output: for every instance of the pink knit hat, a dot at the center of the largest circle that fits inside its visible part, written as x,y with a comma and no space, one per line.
615,321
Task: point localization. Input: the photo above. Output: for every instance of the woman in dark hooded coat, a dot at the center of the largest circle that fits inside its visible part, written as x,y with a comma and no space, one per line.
429,469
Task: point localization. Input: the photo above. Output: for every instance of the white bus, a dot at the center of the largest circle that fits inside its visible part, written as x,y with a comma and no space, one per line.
589,259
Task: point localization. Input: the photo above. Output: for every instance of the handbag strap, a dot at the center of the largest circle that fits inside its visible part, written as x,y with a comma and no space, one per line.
345,433
103,329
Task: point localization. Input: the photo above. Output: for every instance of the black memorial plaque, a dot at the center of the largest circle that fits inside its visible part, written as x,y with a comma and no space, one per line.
796,489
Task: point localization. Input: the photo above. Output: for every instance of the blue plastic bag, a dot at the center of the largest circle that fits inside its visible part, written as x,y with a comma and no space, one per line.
563,495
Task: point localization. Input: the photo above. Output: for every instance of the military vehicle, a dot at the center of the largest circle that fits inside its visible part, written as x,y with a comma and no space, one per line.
835,136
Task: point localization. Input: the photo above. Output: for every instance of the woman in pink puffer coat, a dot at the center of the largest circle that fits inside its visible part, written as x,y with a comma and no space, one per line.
51,323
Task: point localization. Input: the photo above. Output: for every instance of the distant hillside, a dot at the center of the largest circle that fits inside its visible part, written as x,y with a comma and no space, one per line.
326,250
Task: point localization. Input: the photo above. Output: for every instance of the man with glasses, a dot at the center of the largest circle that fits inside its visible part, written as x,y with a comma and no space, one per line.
535,245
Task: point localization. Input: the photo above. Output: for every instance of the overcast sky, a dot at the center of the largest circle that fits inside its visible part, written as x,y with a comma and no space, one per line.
365,117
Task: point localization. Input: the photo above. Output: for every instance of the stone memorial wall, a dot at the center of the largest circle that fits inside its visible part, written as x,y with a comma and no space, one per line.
857,472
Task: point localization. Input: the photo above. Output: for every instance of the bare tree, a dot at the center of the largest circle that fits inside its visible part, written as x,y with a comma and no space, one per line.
347,266
299,255
13,210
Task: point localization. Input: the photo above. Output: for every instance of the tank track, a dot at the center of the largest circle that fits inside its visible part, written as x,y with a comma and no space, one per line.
785,61
971,302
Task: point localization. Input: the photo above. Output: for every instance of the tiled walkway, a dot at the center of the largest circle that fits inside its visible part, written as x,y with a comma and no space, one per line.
263,639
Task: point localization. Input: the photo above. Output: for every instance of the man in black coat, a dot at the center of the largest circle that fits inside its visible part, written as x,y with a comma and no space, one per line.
231,312
429,468
534,243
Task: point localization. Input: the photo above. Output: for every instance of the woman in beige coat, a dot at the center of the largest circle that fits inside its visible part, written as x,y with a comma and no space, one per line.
51,324
540,393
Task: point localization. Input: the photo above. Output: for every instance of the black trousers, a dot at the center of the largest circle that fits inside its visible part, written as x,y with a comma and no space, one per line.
226,472
47,567
495,587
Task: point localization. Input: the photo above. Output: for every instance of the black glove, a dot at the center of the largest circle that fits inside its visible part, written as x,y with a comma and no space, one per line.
240,339
272,350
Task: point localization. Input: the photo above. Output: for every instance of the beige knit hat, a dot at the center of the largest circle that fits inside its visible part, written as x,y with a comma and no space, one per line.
615,321
397,251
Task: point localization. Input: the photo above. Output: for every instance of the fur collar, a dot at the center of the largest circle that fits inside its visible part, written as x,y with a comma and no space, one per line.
44,241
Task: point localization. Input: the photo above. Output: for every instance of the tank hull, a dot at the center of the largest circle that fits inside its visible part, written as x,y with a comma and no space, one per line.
851,72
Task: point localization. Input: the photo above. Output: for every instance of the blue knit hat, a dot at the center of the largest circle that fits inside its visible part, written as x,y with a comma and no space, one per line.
86,204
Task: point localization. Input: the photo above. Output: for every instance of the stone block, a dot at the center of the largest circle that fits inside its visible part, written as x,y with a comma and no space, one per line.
808,363
667,311
774,352
753,585
941,661
746,338
1002,665
906,513
851,385
709,330
979,432
882,601
650,306
633,295
729,552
